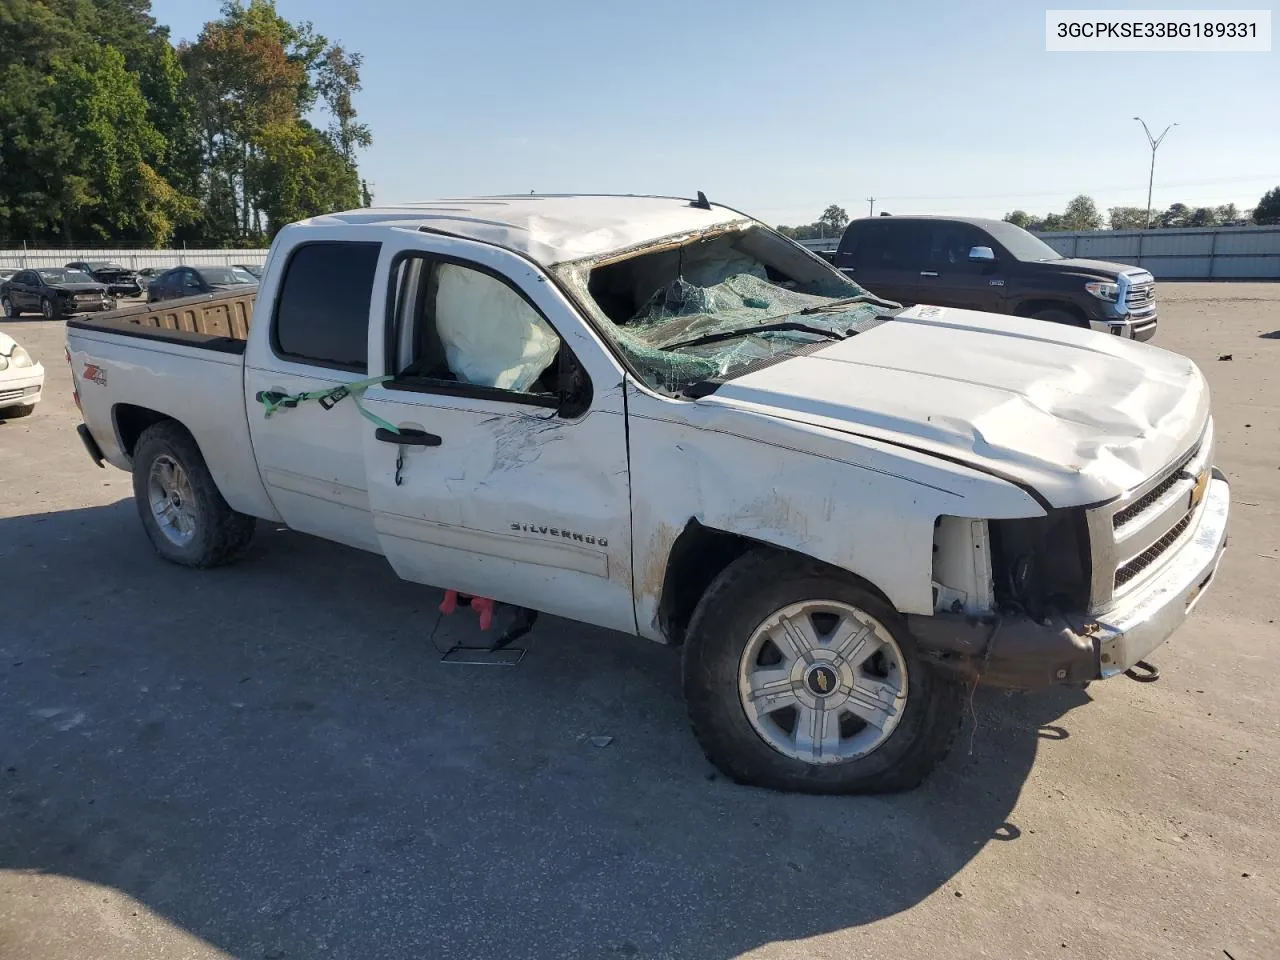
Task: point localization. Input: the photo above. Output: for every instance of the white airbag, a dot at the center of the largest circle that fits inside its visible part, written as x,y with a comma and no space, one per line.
491,336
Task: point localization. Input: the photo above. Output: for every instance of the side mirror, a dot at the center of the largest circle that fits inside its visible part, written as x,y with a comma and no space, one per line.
981,255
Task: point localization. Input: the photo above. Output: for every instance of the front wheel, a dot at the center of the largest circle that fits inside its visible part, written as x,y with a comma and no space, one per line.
182,510
798,677
48,310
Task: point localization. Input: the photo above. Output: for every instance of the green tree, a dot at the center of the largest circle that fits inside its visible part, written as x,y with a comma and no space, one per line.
126,200
834,219
297,172
1020,218
254,76
1227,213
1127,218
1268,209
1204,217
1081,214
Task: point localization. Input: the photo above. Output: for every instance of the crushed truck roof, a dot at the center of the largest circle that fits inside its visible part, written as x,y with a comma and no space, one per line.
549,229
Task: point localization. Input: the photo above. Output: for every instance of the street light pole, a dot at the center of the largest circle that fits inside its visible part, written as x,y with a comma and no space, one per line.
1155,143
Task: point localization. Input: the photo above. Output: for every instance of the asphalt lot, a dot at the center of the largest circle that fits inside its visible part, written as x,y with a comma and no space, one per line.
270,760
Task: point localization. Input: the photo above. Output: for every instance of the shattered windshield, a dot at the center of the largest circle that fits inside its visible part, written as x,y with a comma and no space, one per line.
713,307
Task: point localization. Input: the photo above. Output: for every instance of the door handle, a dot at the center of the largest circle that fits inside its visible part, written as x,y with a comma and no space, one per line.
408,438
928,273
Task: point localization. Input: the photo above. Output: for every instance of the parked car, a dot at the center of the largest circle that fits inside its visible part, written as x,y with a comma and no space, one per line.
995,267
251,268
6,273
664,418
194,281
120,280
54,292
21,380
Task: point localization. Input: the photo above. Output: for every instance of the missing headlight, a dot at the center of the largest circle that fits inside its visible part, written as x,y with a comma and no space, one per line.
1041,562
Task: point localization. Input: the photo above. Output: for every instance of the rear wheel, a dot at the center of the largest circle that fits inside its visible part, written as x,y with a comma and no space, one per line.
10,310
184,514
798,677
1057,315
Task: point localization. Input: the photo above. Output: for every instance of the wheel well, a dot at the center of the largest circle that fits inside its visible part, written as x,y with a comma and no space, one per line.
131,421
697,557
1031,307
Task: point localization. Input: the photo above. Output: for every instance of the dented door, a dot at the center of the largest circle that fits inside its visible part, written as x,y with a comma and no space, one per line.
493,487
514,503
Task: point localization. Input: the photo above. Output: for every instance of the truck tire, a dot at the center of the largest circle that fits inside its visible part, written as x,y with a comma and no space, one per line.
1061,316
779,653
9,309
184,514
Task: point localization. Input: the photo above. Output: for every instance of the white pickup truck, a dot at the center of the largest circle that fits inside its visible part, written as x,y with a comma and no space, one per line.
659,416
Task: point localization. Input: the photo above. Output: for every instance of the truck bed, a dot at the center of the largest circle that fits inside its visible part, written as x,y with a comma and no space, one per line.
182,359
218,321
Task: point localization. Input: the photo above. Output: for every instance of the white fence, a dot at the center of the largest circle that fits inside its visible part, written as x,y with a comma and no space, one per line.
133,259
1188,253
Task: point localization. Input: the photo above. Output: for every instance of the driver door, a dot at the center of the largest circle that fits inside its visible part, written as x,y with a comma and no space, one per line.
509,477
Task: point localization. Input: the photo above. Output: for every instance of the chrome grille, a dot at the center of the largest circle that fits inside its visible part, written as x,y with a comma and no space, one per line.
1131,536
1141,296
1145,502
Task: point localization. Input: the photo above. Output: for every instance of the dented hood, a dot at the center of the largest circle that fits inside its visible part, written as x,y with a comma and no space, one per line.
1077,416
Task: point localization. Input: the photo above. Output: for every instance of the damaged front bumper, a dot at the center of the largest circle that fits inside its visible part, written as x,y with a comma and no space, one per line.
1018,652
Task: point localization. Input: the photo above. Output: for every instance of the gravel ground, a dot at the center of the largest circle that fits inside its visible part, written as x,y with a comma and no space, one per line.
270,760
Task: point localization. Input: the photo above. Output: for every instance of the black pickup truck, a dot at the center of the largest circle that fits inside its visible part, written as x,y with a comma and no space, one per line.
994,266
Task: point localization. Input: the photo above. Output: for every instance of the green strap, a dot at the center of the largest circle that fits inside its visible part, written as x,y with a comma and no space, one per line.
271,402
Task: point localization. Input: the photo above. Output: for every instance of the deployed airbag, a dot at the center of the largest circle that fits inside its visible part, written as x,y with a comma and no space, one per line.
492,337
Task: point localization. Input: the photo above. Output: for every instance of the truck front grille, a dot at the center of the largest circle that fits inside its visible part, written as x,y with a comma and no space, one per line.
1142,296
1127,571
1132,536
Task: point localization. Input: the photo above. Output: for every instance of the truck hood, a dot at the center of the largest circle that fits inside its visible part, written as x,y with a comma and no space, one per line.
1078,416
1080,266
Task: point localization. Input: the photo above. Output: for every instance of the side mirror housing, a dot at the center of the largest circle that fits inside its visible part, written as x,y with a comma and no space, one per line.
981,255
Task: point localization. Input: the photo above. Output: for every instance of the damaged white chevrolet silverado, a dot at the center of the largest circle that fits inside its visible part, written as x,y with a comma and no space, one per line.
661,417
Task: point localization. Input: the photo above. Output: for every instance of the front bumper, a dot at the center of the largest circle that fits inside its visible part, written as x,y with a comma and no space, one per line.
72,307
1128,326
22,390
1018,652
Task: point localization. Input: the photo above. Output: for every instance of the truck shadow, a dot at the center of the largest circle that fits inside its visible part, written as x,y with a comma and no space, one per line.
273,757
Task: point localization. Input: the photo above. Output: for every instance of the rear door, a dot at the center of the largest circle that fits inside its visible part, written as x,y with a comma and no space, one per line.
23,290
310,458
949,278
888,258
510,477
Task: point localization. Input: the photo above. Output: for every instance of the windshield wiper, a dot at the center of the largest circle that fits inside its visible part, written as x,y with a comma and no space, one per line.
847,301
787,326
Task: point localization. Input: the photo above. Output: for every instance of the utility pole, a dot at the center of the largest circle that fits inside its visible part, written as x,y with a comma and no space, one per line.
1155,143
872,211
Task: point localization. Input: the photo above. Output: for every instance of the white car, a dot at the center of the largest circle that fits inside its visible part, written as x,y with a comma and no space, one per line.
21,380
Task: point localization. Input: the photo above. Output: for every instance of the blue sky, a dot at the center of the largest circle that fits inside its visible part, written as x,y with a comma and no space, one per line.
780,109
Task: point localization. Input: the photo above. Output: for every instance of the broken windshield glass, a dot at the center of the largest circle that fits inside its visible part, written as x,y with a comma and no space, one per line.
712,307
